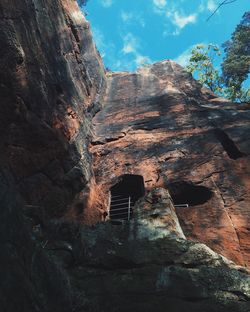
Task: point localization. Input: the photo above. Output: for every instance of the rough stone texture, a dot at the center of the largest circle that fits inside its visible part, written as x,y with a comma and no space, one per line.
156,216
30,280
51,84
51,80
160,123
116,268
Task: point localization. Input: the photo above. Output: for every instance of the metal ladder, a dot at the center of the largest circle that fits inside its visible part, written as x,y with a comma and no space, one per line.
121,208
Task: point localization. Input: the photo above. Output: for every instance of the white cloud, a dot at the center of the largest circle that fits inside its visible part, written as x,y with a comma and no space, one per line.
141,60
184,57
99,40
130,44
211,5
130,55
106,47
132,18
126,16
106,3
181,20
160,3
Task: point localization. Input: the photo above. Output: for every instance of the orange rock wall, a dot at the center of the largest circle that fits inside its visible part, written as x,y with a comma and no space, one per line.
51,80
160,123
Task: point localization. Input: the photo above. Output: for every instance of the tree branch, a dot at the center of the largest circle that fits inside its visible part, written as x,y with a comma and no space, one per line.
218,7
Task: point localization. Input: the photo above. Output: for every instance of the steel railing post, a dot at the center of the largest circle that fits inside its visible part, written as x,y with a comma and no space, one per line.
128,208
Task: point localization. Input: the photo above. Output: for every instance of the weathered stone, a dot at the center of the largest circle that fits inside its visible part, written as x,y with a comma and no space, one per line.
160,123
155,217
121,270
30,280
157,122
51,76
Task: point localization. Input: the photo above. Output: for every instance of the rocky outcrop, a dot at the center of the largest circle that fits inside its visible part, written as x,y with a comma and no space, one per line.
30,279
159,123
51,81
135,266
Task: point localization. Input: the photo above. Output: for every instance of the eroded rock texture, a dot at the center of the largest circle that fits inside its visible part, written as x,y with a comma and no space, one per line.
51,79
137,266
160,123
30,280
157,123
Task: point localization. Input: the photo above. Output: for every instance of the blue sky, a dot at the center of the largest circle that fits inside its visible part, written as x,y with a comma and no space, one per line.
130,33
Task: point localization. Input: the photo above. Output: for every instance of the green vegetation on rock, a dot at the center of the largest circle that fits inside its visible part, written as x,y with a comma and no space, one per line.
235,66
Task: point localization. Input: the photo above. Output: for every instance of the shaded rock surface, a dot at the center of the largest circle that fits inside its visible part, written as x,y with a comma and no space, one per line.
51,84
128,267
51,80
160,123
29,279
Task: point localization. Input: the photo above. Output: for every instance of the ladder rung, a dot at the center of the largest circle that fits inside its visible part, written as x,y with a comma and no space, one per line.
116,205
119,219
117,214
117,200
125,208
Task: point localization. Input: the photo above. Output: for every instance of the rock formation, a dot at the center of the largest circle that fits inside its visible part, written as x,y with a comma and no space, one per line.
57,166
160,123
51,79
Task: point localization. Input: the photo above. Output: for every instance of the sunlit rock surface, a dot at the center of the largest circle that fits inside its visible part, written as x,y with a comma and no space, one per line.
51,80
159,123
128,267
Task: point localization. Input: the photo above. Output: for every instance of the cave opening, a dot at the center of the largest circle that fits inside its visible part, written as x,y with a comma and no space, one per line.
185,192
124,194
228,144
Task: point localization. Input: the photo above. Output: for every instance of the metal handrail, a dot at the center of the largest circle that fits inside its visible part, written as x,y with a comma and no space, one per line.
182,205
117,205
127,210
118,214
124,198
121,209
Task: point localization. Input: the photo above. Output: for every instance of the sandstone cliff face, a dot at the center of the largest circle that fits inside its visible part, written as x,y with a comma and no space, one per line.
157,124
51,79
146,265
160,123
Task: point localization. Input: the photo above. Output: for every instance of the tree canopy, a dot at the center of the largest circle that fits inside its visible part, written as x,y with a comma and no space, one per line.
201,64
235,66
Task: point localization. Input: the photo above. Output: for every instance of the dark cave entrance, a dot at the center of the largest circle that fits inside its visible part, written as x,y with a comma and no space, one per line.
228,144
184,192
124,194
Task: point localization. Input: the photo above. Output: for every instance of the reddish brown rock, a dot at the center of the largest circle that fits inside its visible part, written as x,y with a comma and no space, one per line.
51,83
160,123
51,79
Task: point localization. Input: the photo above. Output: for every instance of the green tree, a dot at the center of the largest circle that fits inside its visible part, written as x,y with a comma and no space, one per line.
236,64
201,65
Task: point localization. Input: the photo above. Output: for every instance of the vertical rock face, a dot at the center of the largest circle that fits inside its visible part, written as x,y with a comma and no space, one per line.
30,280
160,123
51,79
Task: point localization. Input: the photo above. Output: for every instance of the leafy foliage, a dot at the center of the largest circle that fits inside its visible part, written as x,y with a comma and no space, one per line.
235,66
201,65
